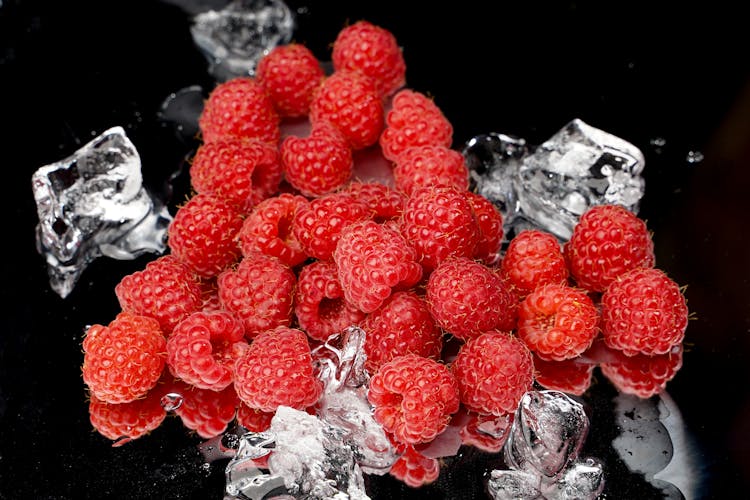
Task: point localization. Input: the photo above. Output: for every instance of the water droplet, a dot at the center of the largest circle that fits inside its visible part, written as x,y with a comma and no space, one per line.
658,142
694,157
172,401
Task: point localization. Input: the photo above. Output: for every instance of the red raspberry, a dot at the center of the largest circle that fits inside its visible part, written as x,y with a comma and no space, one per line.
533,258
320,306
486,432
165,290
414,398
351,103
430,166
268,229
570,376
415,469
402,325
490,222
252,419
210,296
317,164
127,421
493,371
607,241
201,349
277,369
439,222
290,73
205,411
239,108
125,359
203,235
641,375
558,322
373,260
260,292
372,51
467,298
644,311
414,120
318,225
236,170
385,203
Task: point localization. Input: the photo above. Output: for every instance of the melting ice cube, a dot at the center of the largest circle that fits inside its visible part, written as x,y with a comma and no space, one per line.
93,203
237,36
551,186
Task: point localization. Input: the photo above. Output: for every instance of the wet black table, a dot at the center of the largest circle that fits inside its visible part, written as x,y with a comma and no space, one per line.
674,83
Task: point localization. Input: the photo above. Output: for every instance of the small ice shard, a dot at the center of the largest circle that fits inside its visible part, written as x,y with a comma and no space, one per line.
244,479
182,109
236,37
553,184
514,485
93,204
584,479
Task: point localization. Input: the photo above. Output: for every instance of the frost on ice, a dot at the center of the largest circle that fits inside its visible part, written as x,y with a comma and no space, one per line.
93,204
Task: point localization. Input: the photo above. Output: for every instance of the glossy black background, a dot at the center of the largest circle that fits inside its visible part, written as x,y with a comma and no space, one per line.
70,70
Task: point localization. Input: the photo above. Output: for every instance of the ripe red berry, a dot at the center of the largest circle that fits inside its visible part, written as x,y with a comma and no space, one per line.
430,165
127,421
533,258
570,376
316,164
277,369
239,108
125,359
252,419
490,223
486,432
644,311
165,290
414,469
289,73
203,235
205,411
641,375
414,398
260,292
558,322
607,241
493,371
385,204
467,298
372,51
372,260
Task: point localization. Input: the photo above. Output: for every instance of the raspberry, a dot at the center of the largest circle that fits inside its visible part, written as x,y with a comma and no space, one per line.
413,398
317,164
123,360
558,322
236,170
429,166
372,51
466,298
260,292
607,241
351,103
490,223
570,376
643,311
373,260
201,349
641,375
386,204
268,229
318,225
415,469
205,411
486,432
320,306
127,421
289,73
165,290
533,258
414,120
402,325
439,223
277,369
252,419
493,371
203,235
239,108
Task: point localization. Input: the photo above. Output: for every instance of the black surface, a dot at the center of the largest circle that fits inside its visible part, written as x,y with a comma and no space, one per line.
69,70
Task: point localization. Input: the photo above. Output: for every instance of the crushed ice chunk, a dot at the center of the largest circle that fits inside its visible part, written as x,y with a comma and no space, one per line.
93,204
550,186
583,479
235,37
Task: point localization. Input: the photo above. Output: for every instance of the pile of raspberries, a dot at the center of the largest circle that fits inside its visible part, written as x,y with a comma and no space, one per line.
284,244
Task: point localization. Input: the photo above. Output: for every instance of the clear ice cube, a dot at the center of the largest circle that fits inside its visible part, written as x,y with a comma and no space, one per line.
514,485
582,480
182,109
551,185
235,38
93,204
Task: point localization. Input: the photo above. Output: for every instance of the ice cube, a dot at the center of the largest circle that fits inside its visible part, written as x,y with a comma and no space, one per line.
93,204
514,485
236,37
582,480
182,109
